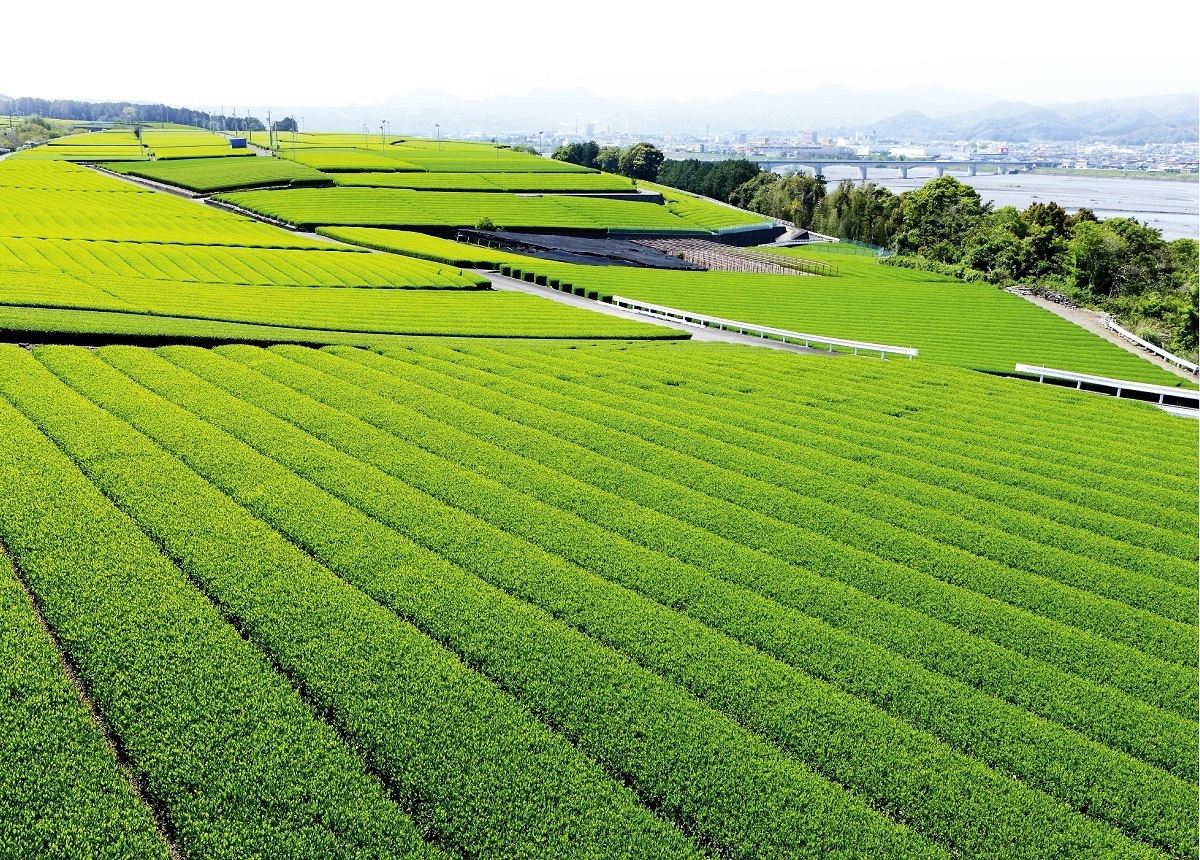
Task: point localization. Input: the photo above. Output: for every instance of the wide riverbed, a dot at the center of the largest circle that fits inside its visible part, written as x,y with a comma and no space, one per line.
1170,206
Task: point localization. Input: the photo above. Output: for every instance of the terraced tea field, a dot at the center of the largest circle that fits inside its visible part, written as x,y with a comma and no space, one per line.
951,322
221,174
540,515
544,182
216,264
314,546
76,260
308,208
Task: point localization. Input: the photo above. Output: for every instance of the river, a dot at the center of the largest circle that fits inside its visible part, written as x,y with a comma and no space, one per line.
1170,206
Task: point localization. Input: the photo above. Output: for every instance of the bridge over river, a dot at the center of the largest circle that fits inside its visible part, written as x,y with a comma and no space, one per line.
818,165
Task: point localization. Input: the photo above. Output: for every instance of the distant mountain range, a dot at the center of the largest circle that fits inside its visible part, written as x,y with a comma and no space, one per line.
917,113
1160,119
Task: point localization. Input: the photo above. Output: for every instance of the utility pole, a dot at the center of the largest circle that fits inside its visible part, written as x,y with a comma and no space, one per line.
438,128
270,132
382,139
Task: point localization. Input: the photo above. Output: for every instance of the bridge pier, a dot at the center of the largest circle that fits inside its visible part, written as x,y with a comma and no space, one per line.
971,168
903,168
862,170
940,170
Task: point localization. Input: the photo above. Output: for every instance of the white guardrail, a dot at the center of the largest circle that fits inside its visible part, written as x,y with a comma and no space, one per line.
1191,367
705,321
1186,398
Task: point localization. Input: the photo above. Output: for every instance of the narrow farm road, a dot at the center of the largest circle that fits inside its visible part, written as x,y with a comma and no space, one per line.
500,282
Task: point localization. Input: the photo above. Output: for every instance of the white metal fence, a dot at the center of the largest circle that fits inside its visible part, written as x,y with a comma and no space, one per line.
1189,366
705,321
1162,395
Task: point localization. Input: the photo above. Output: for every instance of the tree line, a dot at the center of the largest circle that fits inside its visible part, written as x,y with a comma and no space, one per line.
1117,265
124,112
640,161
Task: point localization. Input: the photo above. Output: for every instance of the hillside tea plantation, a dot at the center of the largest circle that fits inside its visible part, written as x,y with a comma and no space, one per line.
367,543
205,175
398,207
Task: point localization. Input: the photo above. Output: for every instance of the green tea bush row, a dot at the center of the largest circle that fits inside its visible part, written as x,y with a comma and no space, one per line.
469,313
223,174
1084,653
308,208
59,176
424,247
231,265
1158,584
873,426
511,182
477,773
1103,714
1034,448
222,743
724,785
61,789
1124,539
1039,753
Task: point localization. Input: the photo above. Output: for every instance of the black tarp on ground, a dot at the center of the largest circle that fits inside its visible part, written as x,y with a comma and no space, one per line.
576,249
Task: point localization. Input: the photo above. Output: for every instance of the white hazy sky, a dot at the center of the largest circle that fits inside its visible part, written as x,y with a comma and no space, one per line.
358,52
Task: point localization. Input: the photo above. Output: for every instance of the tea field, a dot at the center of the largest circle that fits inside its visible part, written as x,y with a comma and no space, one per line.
530,534
315,545
513,182
206,175
308,208
951,322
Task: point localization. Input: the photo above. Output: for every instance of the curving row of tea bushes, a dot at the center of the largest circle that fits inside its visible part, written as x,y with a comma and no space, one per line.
460,312
724,785
475,772
307,208
226,750
61,790
1088,776
231,265
60,176
1160,584
163,218
1036,429
830,731
206,175
1157,682
670,451
596,518
860,433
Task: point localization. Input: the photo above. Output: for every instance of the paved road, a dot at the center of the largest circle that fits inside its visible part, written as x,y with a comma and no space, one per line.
698,333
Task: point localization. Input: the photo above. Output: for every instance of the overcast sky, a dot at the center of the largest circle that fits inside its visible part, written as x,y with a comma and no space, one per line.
354,52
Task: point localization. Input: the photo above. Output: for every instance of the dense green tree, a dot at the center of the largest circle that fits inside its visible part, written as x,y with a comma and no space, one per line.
583,154
872,214
937,218
753,193
1118,257
641,161
609,159
715,179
